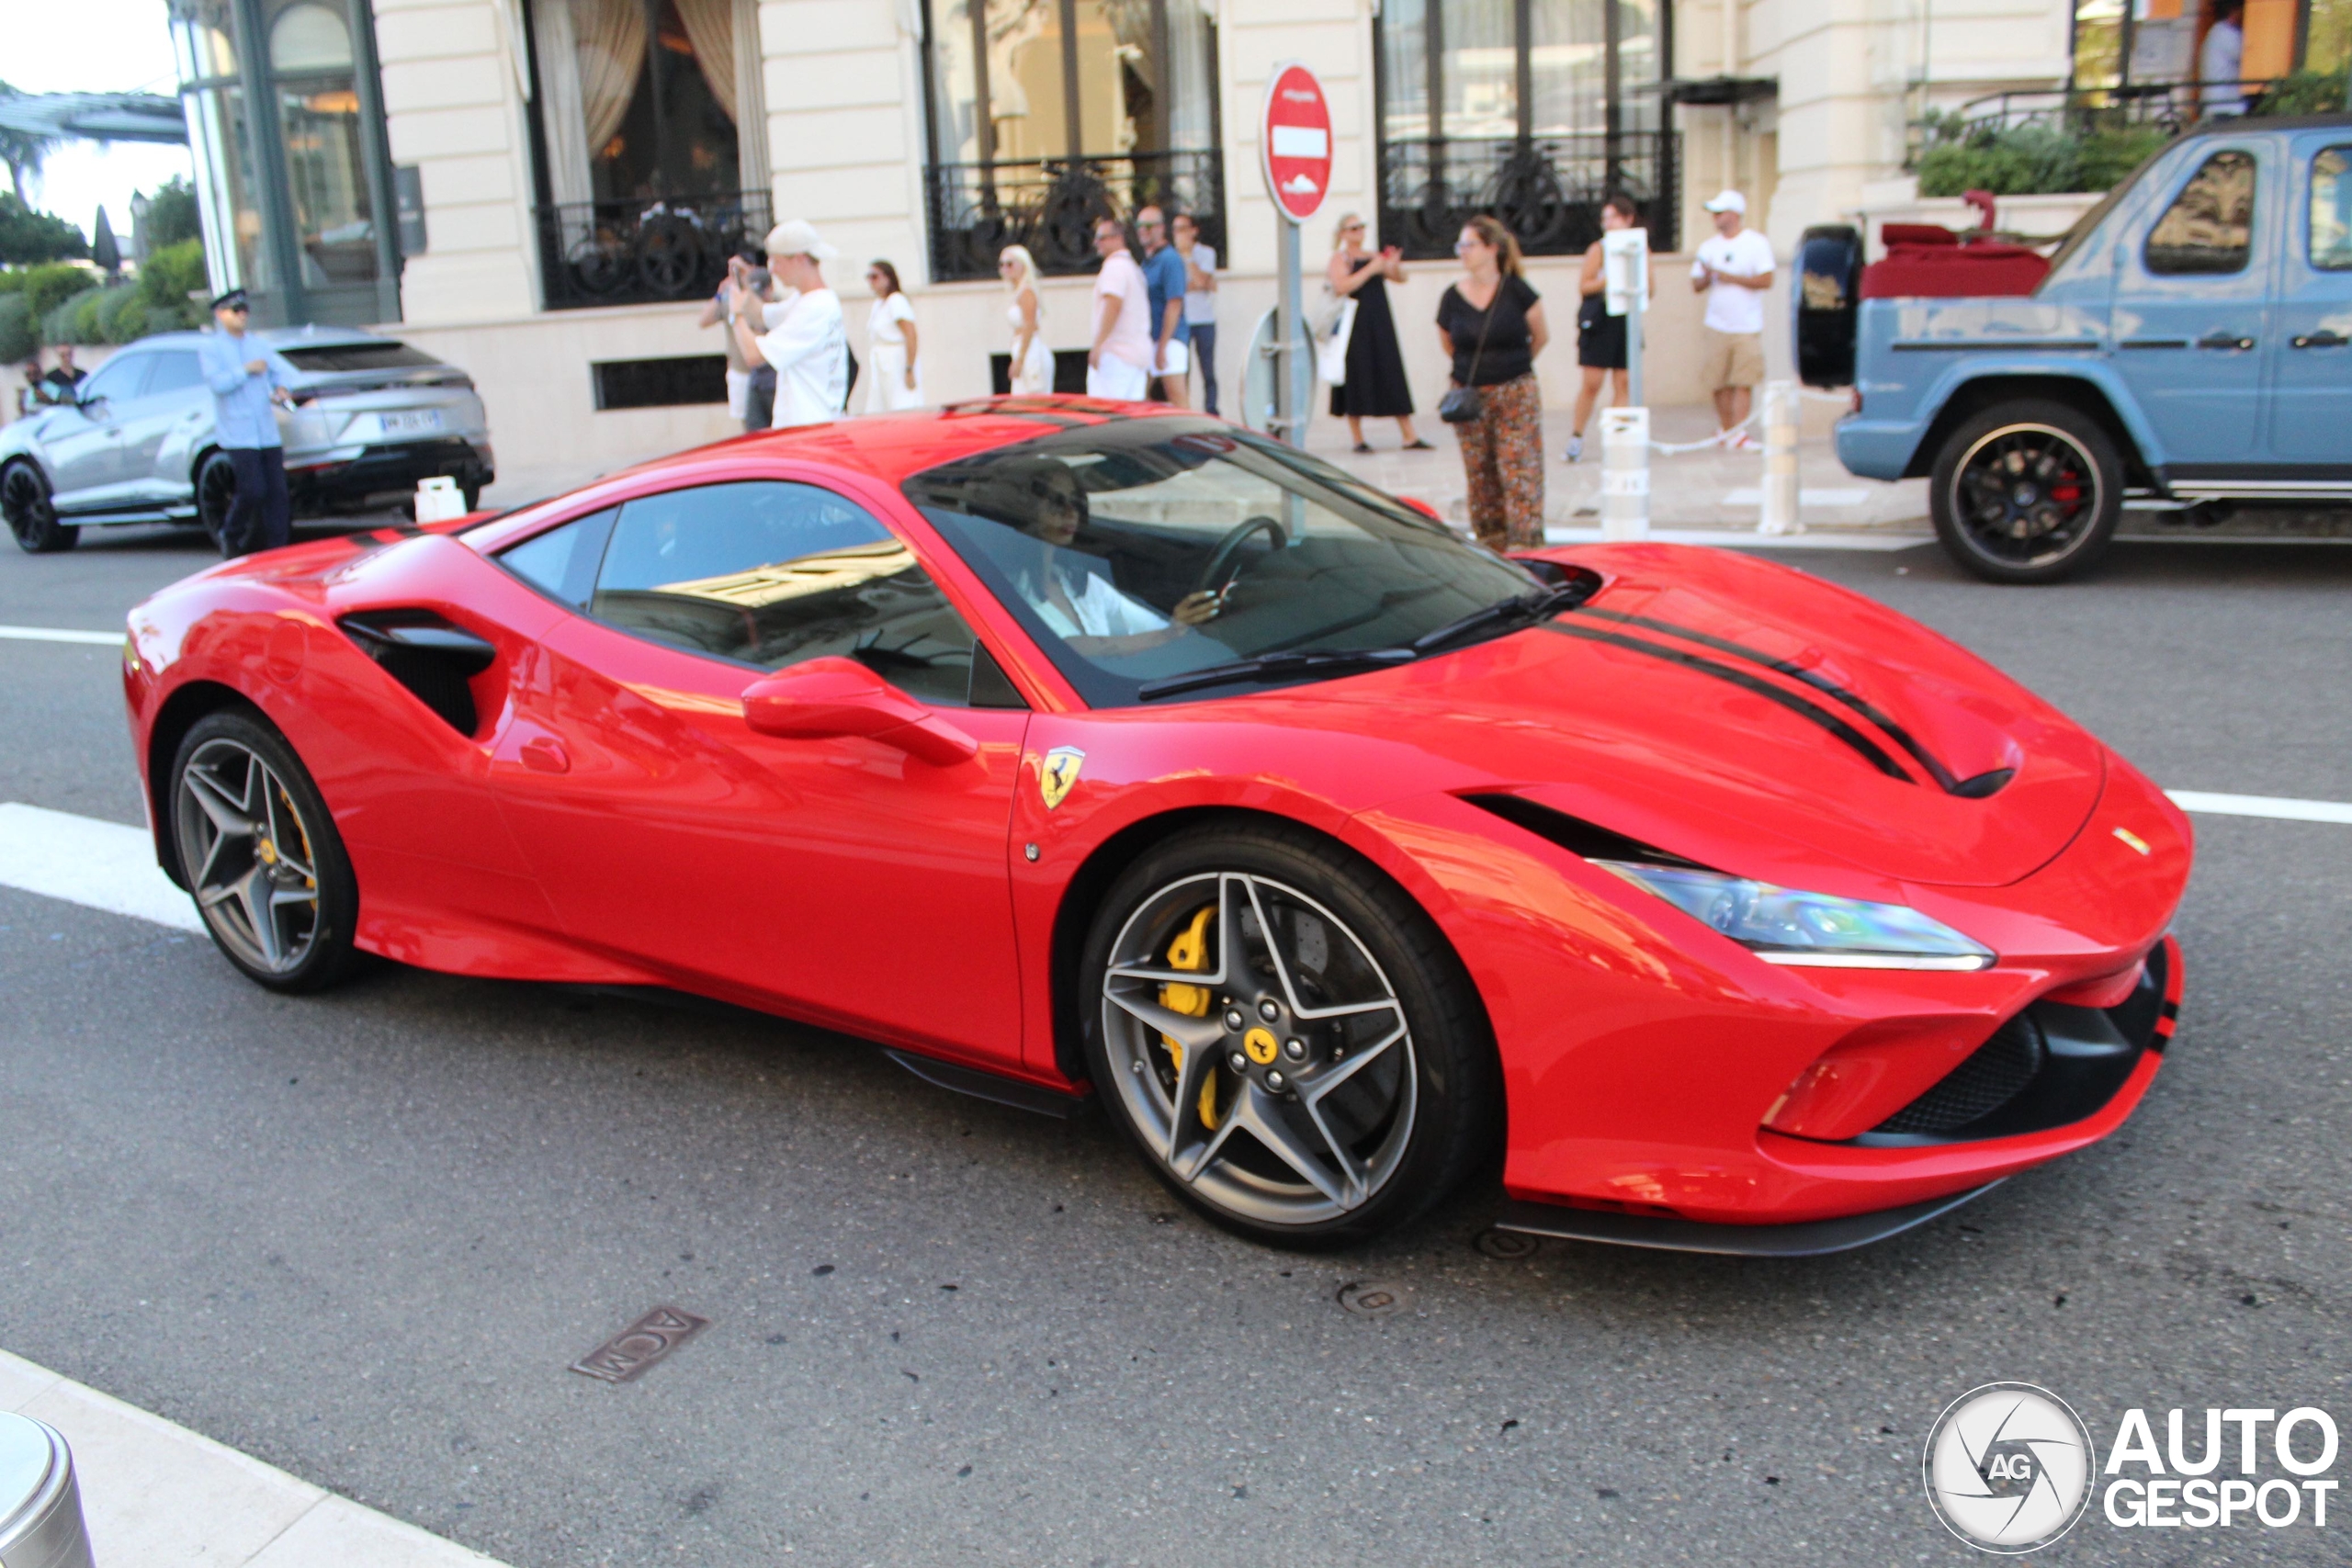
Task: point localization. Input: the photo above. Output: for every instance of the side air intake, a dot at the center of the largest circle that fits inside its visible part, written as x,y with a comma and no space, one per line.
434,657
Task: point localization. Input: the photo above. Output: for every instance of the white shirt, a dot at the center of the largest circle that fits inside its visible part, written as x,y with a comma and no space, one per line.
1200,305
1132,337
1730,308
2220,65
810,353
882,322
1101,609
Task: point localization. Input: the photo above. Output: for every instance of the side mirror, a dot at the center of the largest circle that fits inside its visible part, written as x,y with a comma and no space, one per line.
826,698
1423,507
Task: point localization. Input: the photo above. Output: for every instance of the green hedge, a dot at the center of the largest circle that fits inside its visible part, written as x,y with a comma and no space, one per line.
70,306
2305,91
44,289
18,339
2032,160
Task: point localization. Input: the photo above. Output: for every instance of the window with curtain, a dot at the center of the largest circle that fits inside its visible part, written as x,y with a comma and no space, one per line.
312,63
1531,111
1045,112
652,139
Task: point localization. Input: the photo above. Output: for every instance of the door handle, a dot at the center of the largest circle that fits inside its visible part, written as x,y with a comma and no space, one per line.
2324,338
545,754
2224,340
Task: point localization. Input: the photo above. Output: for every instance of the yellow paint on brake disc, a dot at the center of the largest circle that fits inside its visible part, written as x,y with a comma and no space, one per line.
1190,953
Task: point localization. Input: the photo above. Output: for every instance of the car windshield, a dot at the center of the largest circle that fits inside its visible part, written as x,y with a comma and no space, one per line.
1141,553
344,357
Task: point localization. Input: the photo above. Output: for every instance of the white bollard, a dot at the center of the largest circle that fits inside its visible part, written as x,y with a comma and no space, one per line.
1780,461
1625,473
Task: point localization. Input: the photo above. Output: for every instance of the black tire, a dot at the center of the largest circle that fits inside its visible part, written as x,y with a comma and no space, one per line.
2027,491
1409,1098
32,519
216,491
238,794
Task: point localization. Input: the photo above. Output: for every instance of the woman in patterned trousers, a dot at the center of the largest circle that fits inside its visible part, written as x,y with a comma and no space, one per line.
1491,324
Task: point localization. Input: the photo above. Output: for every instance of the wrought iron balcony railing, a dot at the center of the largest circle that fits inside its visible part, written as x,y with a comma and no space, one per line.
646,252
1051,206
1547,190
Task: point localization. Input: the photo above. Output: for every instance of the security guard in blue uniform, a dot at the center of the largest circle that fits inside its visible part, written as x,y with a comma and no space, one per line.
246,376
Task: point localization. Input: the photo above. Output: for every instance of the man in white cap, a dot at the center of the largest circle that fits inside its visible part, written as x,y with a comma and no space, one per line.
1732,269
805,342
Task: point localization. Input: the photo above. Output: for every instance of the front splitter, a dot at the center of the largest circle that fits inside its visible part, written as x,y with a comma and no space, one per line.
1811,1239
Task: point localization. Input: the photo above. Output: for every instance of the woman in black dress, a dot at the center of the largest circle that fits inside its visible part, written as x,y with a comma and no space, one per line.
1375,386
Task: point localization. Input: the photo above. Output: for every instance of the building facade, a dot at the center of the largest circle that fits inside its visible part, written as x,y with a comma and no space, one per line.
546,191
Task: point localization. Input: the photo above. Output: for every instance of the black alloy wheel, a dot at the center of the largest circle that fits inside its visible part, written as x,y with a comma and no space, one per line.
1285,1036
2027,491
25,500
261,855
216,492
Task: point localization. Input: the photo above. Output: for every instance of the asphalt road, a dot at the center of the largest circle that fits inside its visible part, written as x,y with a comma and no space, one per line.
361,1236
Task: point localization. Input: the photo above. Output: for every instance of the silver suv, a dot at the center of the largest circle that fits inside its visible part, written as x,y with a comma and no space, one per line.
376,416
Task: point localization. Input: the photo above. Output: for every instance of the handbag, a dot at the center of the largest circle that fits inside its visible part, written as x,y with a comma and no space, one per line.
1467,405
1332,342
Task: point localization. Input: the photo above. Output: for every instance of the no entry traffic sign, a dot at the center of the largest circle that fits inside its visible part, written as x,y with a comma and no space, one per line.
1295,141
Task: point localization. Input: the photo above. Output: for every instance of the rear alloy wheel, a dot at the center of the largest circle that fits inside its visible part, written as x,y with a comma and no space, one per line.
216,492
25,500
262,856
2026,493
1286,1037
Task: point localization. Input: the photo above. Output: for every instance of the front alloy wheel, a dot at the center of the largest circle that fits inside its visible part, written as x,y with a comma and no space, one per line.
1286,1038
261,856
32,516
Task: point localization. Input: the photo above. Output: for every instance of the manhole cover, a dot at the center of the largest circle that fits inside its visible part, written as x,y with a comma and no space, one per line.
1510,1246
639,1345
1372,1298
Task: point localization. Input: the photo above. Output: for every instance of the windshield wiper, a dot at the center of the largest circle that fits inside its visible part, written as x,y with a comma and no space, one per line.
1302,661
1524,609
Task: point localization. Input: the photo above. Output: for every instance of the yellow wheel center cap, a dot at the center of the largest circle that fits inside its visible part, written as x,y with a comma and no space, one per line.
1259,1044
268,851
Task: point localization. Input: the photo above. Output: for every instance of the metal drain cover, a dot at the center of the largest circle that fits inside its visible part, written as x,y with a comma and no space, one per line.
640,1345
1372,1298
1508,1247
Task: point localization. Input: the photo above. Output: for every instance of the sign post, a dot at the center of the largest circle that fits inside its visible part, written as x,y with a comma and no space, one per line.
1625,272
1294,152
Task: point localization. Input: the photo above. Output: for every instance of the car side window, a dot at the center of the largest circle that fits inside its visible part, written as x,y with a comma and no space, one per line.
774,573
2209,228
2331,211
176,371
562,563
118,380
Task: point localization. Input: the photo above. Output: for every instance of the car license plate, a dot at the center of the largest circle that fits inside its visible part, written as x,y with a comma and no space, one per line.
412,422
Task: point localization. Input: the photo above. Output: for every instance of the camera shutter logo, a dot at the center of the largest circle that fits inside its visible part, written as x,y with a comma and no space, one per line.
2009,1467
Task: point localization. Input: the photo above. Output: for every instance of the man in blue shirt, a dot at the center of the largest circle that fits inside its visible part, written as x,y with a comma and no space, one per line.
246,376
1164,285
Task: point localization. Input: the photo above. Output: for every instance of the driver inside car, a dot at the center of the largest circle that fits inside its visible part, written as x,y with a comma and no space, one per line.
1068,589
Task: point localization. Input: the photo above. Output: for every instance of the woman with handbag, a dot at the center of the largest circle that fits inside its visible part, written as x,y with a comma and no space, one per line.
1033,362
1491,324
1375,385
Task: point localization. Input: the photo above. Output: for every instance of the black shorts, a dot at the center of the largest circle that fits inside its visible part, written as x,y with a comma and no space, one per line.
1600,337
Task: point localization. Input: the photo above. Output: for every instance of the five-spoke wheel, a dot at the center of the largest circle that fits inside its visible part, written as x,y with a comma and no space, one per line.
1285,1035
2027,491
261,855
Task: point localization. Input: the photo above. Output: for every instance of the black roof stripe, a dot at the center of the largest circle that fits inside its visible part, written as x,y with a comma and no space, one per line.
1944,777
1862,745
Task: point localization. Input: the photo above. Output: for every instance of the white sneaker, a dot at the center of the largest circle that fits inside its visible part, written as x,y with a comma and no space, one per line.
1575,453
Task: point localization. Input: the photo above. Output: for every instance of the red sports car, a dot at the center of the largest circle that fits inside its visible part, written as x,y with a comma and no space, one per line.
1074,751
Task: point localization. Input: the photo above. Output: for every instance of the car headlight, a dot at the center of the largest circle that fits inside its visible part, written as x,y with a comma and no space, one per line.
1782,925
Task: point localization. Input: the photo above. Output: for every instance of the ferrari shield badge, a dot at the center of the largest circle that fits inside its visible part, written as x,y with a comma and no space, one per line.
1059,774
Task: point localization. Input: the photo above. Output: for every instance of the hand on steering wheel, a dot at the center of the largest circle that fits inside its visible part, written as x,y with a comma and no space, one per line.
1225,562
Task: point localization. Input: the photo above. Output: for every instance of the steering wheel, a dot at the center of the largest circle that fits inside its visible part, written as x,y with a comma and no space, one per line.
1225,562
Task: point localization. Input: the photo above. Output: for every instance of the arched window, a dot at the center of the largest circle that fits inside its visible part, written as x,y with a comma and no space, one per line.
1531,111
307,39
1046,114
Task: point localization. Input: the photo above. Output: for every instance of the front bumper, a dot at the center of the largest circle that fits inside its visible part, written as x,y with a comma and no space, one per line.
347,476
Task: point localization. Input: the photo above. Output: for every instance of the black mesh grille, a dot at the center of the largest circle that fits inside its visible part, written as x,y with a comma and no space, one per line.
1994,1074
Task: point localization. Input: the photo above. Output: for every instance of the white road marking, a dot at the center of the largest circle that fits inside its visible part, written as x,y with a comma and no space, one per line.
83,861
62,634
108,866
1738,538
2277,808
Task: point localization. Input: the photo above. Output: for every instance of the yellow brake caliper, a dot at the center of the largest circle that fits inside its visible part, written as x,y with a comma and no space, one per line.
1190,953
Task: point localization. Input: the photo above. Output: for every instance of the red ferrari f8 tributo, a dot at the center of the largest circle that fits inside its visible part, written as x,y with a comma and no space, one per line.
1070,749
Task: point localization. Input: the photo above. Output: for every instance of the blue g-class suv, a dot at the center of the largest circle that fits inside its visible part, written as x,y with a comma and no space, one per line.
2191,342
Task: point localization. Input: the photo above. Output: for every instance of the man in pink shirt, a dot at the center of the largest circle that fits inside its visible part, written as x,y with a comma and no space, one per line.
1118,366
